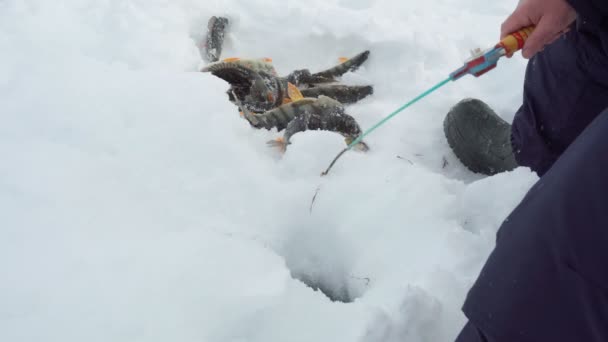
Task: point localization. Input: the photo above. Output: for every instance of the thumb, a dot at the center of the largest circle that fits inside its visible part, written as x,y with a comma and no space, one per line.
544,32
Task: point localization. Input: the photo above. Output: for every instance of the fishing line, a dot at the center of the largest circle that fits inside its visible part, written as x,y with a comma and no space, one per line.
381,122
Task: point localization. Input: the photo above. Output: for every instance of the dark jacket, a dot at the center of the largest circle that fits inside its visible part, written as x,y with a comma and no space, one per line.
594,11
547,278
565,88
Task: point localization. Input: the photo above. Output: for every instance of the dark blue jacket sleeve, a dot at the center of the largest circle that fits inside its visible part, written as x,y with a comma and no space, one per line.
594,11
547,278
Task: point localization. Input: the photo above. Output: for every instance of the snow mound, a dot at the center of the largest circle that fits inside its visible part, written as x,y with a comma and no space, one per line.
137,205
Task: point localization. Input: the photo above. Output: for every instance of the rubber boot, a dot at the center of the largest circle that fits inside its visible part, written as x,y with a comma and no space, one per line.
479,137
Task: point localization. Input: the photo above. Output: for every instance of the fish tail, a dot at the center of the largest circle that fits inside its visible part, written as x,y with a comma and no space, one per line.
279,143
214,41
361,146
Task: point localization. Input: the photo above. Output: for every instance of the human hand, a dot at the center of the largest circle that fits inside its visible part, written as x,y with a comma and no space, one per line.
551,18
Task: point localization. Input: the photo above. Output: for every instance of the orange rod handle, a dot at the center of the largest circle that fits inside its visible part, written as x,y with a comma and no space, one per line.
516,40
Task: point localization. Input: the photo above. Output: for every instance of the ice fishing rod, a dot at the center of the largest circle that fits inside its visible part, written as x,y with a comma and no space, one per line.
480,63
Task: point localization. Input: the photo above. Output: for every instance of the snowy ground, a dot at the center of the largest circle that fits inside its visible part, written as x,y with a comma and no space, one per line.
135,204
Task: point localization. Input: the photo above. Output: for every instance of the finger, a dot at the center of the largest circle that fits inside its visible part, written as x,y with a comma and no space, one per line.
514,22
545,31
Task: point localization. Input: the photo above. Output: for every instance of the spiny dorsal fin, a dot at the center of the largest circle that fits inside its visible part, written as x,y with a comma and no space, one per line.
305,101
293,92
231,59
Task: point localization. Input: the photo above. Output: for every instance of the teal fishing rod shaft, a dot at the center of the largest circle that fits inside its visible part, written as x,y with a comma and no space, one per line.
479,64
400,109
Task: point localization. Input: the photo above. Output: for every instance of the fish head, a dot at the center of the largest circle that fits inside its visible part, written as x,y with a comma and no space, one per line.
253,81
254,65
238,76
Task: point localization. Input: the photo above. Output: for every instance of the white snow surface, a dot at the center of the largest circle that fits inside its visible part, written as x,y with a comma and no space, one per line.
136,205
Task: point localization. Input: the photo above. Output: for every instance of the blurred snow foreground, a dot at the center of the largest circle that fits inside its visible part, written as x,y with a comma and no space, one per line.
136,205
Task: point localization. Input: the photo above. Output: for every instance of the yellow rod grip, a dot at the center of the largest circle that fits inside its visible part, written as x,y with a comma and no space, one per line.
516,40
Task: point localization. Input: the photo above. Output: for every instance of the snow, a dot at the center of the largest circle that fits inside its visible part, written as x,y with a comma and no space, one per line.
137,206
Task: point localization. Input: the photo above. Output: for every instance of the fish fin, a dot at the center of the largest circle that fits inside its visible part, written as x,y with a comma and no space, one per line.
361,146
293,92
269,97
305,100
279,143
250,117
231,59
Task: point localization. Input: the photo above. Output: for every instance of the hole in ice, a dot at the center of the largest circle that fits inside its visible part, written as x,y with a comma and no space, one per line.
345,291
322,260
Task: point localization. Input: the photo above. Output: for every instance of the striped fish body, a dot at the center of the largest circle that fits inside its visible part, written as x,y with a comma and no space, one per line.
325,114
281,116
332,119
304,78
350,64
342,93
340,123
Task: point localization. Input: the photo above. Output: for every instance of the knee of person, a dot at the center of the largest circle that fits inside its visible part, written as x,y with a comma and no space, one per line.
598,128
531,150
471,333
